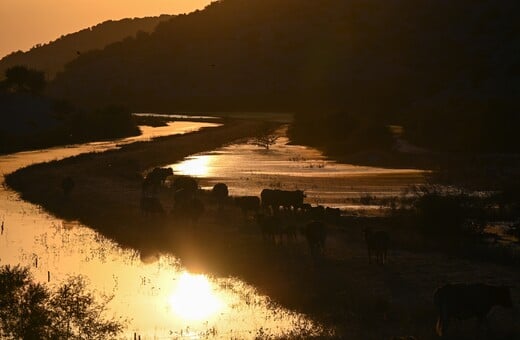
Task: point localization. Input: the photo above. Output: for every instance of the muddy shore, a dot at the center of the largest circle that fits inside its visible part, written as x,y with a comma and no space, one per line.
358,300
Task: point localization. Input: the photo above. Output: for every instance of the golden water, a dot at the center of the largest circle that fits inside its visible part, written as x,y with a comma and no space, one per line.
247,169
158,297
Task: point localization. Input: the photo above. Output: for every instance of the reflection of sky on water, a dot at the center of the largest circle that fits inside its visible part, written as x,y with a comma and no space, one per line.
152,291
175,116
247,169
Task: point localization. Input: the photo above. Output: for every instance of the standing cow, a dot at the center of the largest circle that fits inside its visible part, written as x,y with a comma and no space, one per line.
220,193
377,244
247,204
275,199
464,301
154,180
316,233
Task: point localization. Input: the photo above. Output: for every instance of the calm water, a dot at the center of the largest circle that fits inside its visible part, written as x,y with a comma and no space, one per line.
155,293
247,169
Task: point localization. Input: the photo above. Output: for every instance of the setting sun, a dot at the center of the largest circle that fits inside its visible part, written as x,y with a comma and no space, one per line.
193,298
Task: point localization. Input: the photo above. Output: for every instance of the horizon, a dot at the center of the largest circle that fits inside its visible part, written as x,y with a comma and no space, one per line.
24,24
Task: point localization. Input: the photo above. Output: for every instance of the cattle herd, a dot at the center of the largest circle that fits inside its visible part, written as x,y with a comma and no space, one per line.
282,214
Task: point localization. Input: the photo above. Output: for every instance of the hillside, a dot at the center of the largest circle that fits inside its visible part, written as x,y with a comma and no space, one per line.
442,69
52,57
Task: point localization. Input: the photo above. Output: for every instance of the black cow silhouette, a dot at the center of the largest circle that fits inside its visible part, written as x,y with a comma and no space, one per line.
247,204
377,244
269,226
464,301
288,232
154,180
332,215
282,198
191,209
316,233
151,205
187,185
220,192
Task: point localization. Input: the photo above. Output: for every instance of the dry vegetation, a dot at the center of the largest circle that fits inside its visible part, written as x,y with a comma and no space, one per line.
340,288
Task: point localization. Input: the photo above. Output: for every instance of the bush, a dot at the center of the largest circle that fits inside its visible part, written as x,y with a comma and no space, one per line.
442,215
30,310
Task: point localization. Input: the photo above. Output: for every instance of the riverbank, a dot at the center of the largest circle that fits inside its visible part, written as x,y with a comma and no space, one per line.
341,289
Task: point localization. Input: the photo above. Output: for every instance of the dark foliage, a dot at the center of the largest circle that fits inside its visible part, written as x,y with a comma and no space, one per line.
29,310
447,217
30,122
341,132
20,79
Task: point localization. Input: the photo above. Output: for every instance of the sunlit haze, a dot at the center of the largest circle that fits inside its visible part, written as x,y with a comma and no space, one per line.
25,23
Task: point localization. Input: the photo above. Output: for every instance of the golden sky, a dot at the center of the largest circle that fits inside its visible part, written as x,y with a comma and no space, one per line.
25,23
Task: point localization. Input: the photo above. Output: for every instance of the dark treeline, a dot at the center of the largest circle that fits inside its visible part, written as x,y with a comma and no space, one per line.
445,70
31,120
52,57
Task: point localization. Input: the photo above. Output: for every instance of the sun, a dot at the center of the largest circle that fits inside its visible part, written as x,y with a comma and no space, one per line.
193,298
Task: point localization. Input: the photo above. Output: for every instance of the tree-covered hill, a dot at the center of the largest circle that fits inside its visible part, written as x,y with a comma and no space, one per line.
52,57
441,68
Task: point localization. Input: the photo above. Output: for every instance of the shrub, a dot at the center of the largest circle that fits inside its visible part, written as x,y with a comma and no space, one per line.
30,310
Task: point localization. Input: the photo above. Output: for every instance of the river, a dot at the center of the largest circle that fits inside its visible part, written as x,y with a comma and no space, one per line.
247,169
157,296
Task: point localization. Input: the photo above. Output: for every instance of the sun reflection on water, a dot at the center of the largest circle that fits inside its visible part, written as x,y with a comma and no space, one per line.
198,166
193,298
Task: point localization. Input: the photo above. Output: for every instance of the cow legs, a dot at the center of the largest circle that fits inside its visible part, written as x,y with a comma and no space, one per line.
438,326
442,321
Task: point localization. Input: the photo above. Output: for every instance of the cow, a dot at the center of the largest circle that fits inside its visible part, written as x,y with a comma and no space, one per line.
191,209
316,213
159,175
332,215
464,301
154,180
316,233
269,226
247,204
186,183
289,232
151,205
220,193
184,189
275,199
377,244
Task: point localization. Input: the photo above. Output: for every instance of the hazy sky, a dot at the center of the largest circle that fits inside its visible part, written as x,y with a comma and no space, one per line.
25,23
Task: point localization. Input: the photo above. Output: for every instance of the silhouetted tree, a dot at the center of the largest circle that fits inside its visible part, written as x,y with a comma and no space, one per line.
23,79
265,141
